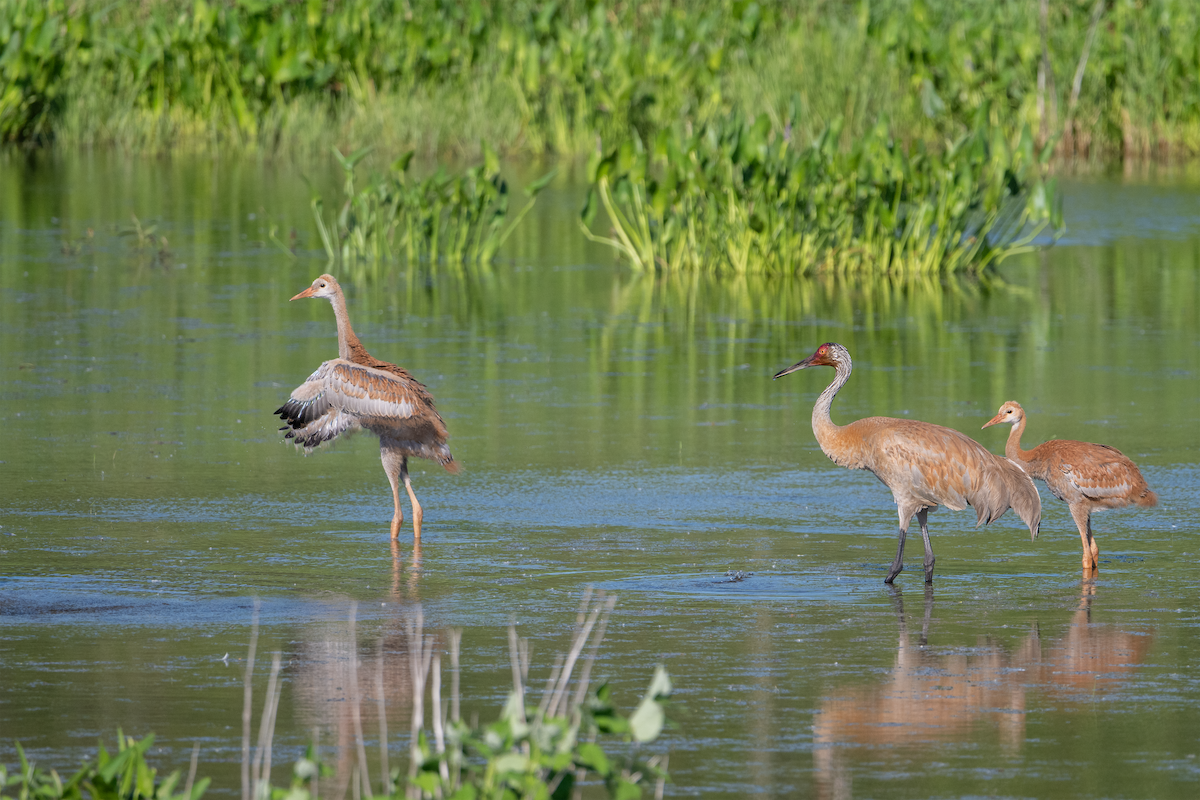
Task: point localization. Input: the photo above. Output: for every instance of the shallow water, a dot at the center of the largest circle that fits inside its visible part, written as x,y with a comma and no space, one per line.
616,432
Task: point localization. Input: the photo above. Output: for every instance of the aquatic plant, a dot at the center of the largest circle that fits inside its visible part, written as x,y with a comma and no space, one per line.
573,734
739,196
1112,78
543,750
540,751
456,219
124,775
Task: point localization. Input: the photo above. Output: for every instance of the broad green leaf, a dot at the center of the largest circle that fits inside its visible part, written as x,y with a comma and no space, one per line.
511,762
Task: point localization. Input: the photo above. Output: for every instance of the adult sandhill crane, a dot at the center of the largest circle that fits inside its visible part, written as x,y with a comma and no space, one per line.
357,390
924,465
1087,477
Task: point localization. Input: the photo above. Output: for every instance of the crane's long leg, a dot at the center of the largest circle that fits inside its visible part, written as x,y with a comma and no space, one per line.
394,465
1091,551
417,514
922,517
898,564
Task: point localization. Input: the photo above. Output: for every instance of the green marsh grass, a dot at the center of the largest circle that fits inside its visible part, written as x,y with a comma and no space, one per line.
740,197
438,76
456,220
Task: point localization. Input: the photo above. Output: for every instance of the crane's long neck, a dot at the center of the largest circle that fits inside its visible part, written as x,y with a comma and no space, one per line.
823,427
348,343
1012,448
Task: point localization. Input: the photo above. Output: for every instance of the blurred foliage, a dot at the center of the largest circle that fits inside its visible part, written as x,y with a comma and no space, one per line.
123,776
537,77
738,196
530,754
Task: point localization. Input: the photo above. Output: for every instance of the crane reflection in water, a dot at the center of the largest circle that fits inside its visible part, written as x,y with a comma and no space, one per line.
933,699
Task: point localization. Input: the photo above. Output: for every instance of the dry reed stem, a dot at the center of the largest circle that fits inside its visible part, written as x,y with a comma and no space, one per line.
455,643
384,770
191,778
364,776
316,781
548,692
579,640
418,669
585,674
439,735
523,652
514,658
272,713
263,725
247,700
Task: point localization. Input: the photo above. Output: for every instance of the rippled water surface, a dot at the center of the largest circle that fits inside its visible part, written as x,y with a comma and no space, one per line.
615,431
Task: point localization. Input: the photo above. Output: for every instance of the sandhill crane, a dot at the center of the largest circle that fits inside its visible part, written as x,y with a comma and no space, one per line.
924,465
1087,477
356,390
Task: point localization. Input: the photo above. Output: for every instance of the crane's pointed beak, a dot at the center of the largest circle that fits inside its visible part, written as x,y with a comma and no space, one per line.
993,421
799,365
306,293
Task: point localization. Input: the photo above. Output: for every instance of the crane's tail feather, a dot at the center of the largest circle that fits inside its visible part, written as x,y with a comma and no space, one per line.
1024,498
1008,487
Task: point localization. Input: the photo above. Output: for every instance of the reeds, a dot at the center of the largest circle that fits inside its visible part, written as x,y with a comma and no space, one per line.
545,750
459,219
742,197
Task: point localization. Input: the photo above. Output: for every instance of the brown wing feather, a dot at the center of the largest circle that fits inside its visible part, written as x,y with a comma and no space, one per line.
1076,471
930,465
342,395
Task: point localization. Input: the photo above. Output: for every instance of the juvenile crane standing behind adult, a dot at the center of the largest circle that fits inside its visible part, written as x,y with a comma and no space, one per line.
1087,477
357,390
925,465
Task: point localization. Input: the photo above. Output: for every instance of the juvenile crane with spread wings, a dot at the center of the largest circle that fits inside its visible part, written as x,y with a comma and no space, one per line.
357,390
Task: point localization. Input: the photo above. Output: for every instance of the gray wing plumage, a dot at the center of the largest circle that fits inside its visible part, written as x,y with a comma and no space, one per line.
930,465
342,396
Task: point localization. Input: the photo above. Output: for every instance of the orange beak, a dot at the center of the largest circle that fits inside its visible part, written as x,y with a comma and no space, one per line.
306,293
994,420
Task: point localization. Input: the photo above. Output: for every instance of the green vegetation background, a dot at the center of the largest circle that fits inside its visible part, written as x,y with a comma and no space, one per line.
295,77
